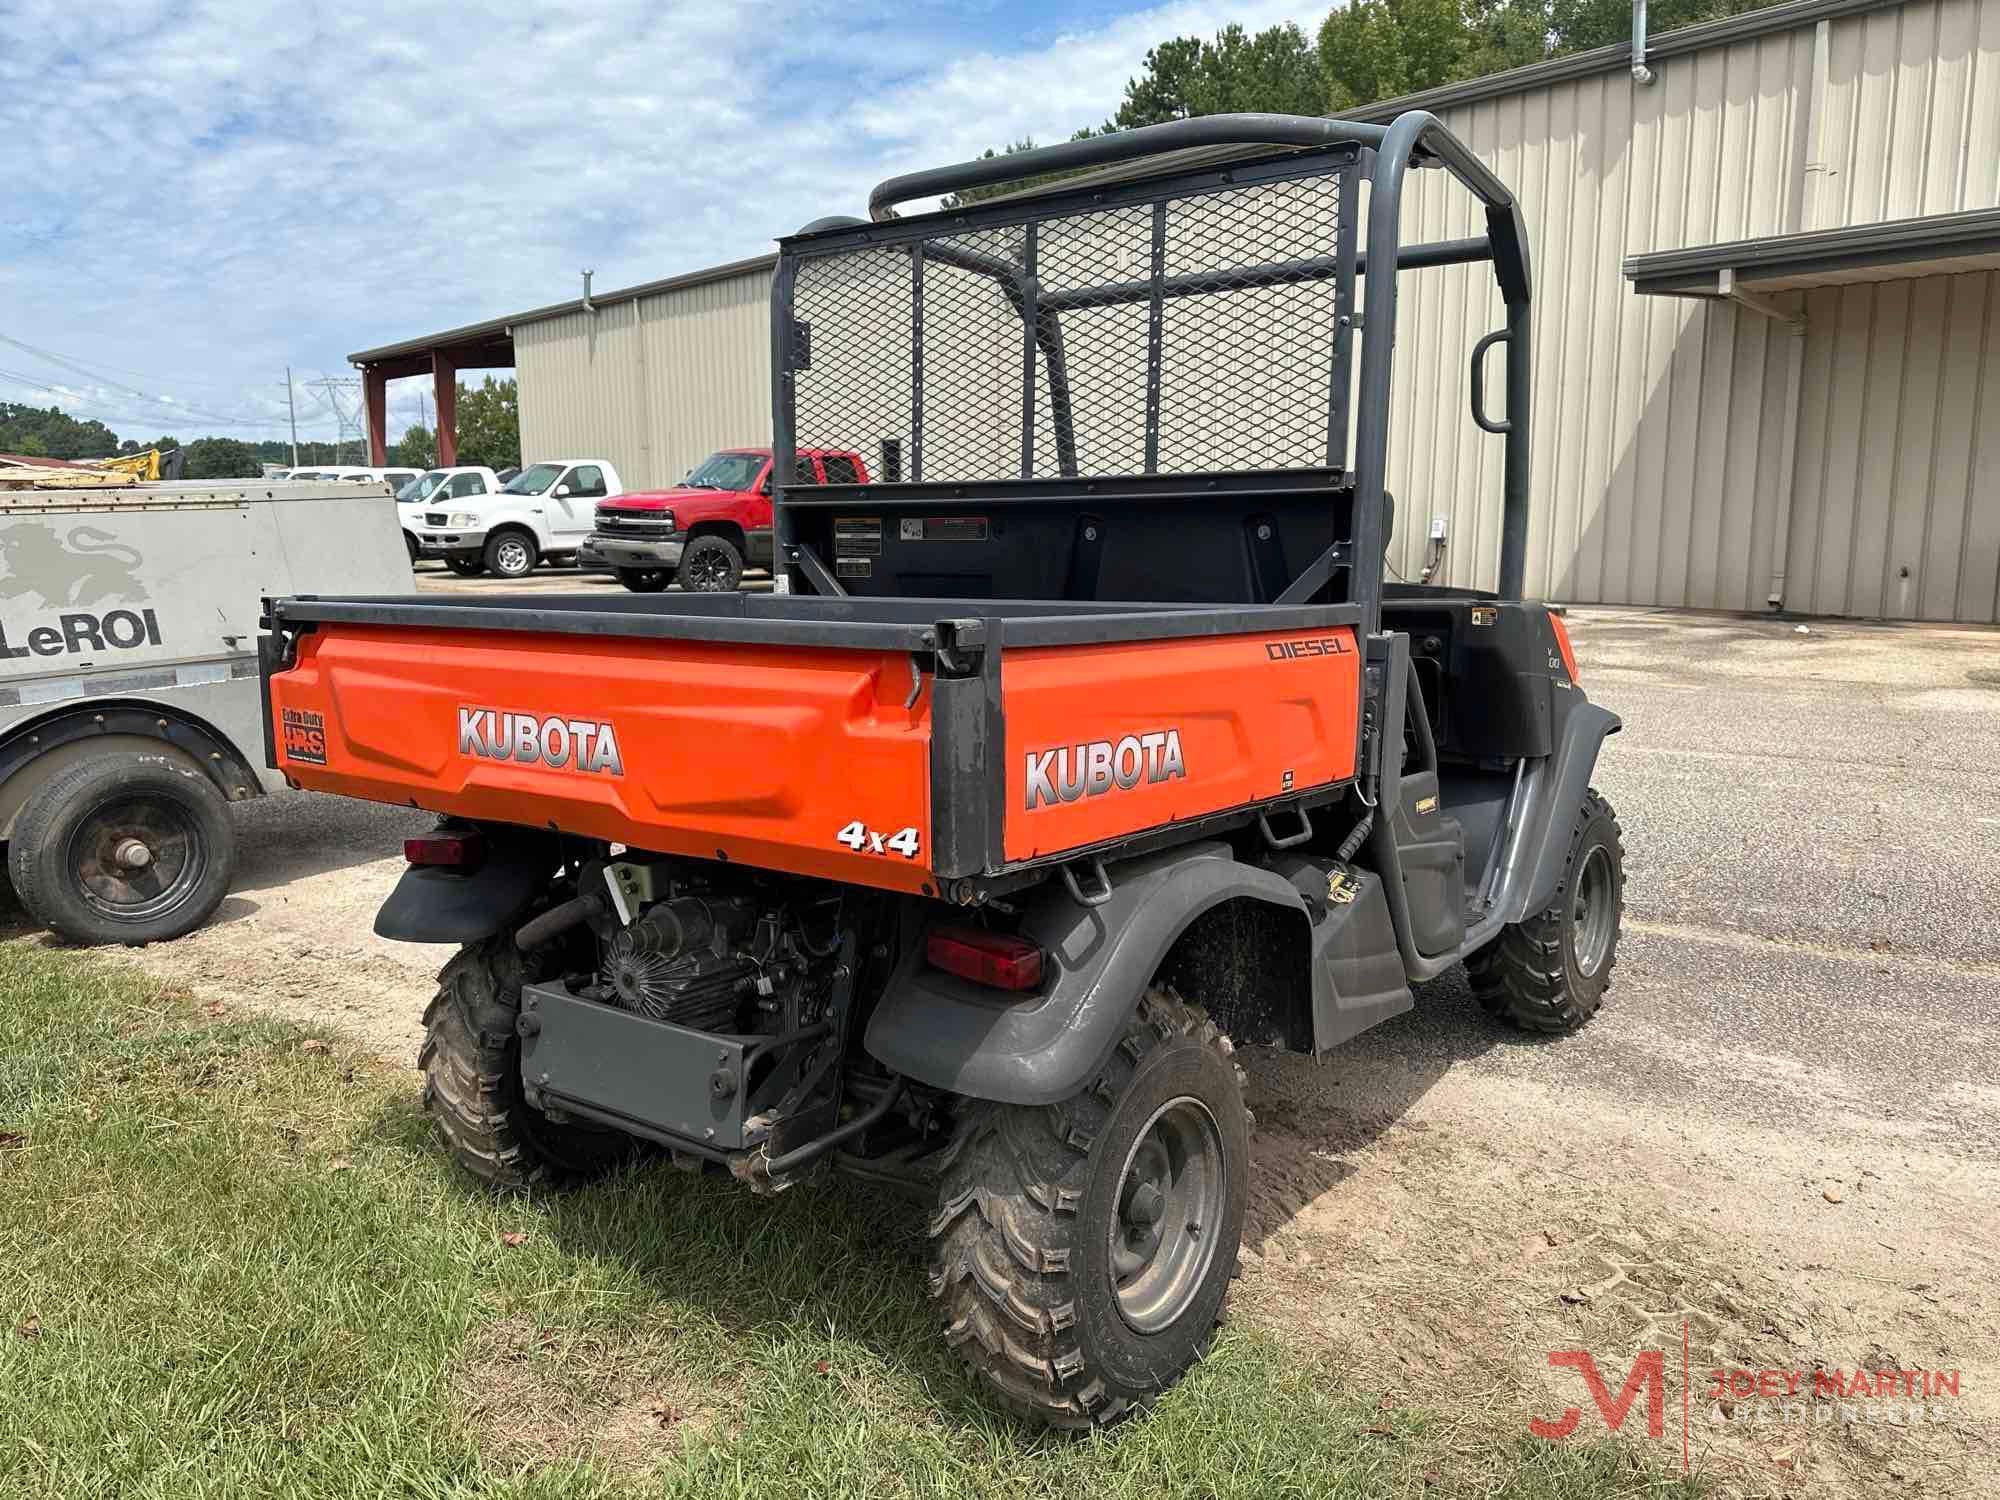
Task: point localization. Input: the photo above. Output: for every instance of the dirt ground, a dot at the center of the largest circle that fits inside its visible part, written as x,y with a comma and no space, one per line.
1778,1149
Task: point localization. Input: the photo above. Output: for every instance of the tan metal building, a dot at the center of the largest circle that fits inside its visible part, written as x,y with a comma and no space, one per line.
1766,340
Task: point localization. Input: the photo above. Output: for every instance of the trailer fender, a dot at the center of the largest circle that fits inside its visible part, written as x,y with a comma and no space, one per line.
40,747
1555,791
942,1031
431,905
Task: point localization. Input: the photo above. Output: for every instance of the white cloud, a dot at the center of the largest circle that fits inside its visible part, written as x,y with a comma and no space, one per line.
208,194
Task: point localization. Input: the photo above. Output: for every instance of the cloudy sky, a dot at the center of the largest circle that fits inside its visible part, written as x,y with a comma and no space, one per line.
197,194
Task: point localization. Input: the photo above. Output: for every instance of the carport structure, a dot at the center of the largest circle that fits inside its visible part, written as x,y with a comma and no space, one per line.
477,346
1888,362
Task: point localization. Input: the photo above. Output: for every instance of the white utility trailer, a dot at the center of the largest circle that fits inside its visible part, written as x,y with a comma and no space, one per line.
129,707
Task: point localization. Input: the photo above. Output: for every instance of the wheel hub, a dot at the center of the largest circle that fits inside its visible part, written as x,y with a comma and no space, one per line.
1593,911
1171,1186
135,858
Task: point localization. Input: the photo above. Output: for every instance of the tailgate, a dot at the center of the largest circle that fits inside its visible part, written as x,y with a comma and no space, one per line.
796,759
891,752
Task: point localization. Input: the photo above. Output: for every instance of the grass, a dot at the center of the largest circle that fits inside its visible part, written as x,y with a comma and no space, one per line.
233,1263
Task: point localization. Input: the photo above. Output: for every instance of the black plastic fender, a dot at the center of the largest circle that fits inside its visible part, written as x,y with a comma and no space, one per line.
432,905
979,1042
1555,790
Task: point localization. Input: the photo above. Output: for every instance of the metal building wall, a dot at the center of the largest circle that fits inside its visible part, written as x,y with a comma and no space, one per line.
654,383
1660,423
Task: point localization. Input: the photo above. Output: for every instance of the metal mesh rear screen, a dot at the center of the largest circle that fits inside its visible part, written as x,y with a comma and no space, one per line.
1187,333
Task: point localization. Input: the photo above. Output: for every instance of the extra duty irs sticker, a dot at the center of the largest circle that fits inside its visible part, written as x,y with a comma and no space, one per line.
305,736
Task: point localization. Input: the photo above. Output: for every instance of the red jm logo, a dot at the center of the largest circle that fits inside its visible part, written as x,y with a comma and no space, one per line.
1649,1372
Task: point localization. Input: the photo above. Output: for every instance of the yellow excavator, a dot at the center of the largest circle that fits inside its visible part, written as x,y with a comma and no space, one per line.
146,467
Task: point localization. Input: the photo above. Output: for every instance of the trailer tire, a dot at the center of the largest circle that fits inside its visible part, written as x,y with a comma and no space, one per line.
711,565
645,580
1024,1268
511,553
124,847
1549,972
471,1062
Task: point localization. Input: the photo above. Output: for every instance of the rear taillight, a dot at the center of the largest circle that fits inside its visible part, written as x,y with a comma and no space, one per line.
1562,645
989,958
446,849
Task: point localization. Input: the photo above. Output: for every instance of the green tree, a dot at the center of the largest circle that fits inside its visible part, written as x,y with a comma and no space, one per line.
489,424
1276,70
32,446
417,450
221,458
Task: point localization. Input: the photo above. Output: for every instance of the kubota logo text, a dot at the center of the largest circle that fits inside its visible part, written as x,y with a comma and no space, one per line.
576,744
1072,771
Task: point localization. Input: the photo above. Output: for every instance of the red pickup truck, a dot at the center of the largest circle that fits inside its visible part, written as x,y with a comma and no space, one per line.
706,529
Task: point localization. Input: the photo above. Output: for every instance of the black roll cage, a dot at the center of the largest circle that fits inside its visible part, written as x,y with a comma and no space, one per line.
1383,154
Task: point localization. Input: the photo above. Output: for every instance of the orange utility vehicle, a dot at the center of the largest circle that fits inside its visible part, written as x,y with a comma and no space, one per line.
1081,740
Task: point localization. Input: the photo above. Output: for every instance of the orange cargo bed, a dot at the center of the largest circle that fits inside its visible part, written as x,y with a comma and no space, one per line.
914,745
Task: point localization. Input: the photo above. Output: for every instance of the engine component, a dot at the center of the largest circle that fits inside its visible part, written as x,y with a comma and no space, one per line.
680,962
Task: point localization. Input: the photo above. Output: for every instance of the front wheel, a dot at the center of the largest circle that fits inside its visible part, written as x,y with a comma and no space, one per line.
471,1062
511,554
123,848
1081,1251
1549,972
711,565
645,580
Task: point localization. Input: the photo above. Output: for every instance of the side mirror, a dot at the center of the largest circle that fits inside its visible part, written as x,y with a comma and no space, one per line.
561,490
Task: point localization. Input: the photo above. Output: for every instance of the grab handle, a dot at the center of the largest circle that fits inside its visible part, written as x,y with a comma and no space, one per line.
1498,336
1084,897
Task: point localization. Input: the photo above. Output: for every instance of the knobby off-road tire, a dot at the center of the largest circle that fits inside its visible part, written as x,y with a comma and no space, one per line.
471,1062
1549,972
1036,1207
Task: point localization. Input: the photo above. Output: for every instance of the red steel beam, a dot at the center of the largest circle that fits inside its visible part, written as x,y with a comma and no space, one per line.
444,385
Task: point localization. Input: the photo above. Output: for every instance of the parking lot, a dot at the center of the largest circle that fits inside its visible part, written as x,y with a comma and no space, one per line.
1783,1133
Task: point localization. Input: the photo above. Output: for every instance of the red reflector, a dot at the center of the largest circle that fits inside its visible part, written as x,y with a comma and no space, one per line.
457,851
990,958
1562,644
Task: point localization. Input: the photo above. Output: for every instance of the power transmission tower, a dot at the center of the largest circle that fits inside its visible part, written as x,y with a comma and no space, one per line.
333,388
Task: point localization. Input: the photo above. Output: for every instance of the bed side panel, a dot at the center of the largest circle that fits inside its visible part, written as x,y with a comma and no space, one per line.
764,755
1108,740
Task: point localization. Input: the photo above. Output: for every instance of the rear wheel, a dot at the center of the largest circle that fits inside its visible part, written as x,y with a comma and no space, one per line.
410,546
511,554
1081,1251
123,848
1549,972
471,1062
465,564
711,565
645,580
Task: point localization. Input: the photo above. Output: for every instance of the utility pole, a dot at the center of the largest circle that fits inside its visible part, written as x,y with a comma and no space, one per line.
291,405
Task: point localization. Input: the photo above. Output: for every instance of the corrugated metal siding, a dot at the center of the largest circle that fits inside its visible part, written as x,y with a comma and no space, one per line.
654,384
1660,423
1912,114
1899,452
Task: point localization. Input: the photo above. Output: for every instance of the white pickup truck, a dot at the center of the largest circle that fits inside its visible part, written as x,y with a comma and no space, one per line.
542,514
130,708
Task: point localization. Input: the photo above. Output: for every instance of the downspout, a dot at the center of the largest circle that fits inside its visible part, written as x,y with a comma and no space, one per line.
588,305
1795,364
1640,72
1806,215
